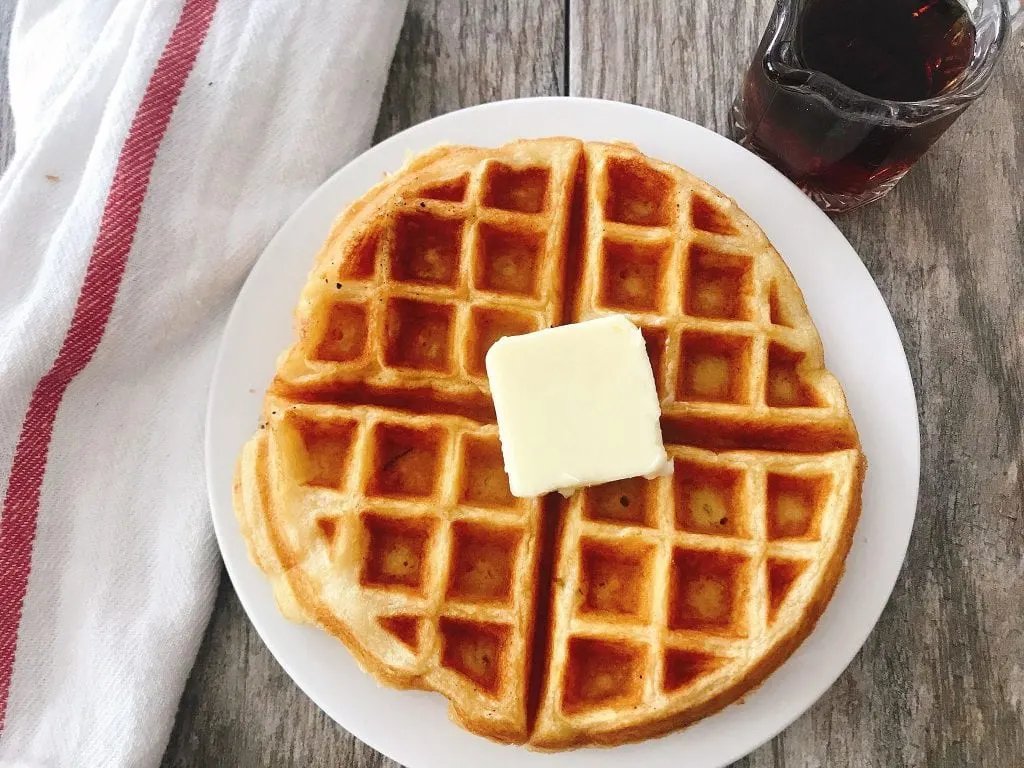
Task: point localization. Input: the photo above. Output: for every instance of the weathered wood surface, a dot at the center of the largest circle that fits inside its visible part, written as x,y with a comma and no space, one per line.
941,680
6,122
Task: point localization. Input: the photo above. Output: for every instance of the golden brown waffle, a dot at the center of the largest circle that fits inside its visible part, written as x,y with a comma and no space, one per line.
374,497
419,278
397,533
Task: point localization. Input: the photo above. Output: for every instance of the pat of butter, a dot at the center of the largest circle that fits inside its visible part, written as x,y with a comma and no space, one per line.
576,406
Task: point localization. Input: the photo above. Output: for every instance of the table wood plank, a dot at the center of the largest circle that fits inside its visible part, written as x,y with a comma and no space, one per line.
239,707
6,119
940,681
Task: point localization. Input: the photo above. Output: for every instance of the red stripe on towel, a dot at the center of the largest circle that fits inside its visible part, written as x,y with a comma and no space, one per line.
95,302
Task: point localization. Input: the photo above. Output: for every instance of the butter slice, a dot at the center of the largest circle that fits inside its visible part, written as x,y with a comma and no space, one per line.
576,406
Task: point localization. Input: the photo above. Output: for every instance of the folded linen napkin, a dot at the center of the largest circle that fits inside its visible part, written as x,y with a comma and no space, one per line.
159,146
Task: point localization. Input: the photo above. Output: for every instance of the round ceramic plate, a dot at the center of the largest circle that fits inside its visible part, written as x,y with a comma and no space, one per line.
862,347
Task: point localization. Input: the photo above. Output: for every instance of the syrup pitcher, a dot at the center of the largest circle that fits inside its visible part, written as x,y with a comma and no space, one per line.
843,96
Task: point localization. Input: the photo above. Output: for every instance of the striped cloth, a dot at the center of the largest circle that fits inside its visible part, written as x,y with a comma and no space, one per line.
160,144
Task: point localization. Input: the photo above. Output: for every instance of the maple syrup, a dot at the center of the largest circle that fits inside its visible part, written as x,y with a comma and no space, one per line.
831,100
902,50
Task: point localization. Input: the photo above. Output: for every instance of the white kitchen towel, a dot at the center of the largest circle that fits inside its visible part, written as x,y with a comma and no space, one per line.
159,146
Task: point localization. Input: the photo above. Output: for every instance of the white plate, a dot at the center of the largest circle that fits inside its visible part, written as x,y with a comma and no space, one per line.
863,350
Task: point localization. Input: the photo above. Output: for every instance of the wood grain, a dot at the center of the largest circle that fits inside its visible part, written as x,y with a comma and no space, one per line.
940,681
457,53
6,119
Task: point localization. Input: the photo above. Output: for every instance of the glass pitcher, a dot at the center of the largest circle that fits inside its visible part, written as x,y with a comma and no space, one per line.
918,64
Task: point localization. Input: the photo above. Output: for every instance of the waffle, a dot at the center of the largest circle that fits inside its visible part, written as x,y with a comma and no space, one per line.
374,497
397,533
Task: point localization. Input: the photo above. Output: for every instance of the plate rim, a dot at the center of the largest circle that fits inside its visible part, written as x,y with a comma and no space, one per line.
225,524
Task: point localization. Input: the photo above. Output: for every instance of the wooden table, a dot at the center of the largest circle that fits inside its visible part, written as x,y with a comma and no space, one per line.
940,681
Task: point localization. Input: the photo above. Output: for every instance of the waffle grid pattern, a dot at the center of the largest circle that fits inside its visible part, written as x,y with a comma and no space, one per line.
673,580
446,277
389,521
438,551
727,338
